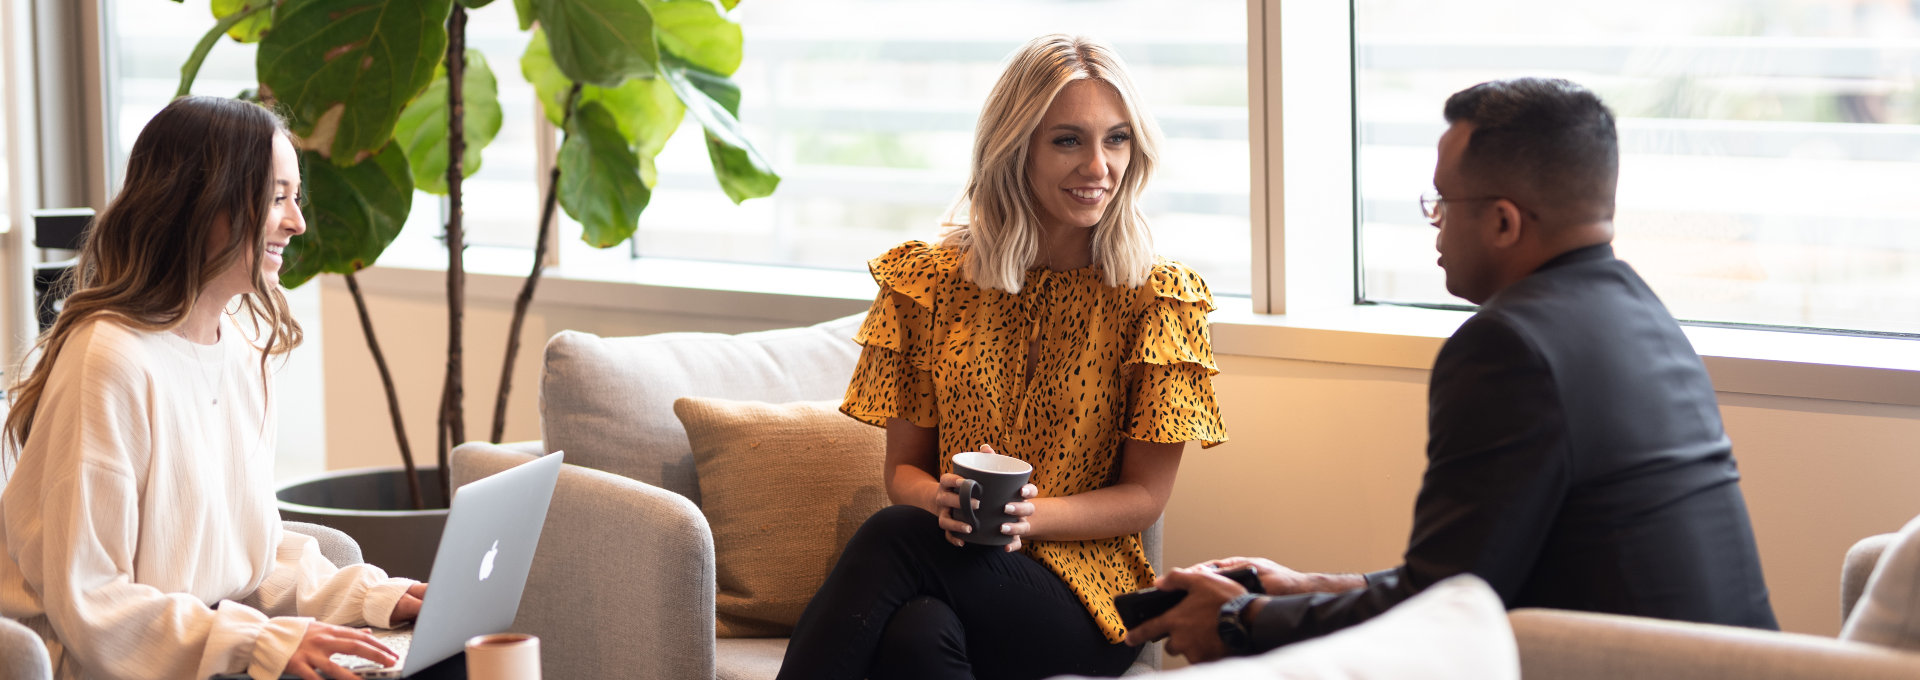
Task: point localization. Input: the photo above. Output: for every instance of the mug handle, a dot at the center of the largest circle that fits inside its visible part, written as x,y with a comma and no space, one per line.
967,489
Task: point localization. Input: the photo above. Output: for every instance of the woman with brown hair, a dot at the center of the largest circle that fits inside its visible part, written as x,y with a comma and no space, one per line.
1044,328
140,531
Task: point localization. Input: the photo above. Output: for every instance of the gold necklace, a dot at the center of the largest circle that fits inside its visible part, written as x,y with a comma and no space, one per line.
200,365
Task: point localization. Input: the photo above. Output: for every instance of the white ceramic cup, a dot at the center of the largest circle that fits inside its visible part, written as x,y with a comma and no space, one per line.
503,656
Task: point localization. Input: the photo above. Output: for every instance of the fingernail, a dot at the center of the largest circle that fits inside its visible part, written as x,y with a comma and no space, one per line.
966,530
1006,528
1009,509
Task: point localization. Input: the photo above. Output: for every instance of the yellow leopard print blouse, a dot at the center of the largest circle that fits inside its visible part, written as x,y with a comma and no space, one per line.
1113,363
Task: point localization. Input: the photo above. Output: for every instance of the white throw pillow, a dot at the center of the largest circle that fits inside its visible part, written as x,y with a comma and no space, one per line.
1456,629
1889,611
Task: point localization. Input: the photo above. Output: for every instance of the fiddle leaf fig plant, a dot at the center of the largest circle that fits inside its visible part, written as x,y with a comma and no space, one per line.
600,173
385,98
422,129
343,70
618,77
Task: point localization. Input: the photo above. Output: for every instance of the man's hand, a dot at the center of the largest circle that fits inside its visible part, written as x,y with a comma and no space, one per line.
1192,628
1279,580
408,608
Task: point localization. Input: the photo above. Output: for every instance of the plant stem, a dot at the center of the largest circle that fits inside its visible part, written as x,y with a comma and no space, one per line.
525,298
453,421
393,398
191,69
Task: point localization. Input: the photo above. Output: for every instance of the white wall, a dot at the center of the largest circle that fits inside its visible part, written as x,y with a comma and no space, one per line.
1320,474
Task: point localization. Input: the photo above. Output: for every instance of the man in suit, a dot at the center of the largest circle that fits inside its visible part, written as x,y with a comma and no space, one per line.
1575,456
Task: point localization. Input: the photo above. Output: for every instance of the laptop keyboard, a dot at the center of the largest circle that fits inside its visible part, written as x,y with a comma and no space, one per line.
396,640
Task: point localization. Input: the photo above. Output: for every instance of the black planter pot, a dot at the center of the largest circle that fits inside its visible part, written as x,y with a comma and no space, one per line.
371,505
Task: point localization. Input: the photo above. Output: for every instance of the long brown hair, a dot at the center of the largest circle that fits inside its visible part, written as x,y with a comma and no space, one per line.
145,260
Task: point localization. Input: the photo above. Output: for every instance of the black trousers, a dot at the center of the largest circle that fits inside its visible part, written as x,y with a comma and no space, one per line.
904,603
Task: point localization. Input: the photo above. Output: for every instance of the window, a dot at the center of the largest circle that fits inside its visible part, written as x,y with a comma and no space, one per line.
867,107
1769,150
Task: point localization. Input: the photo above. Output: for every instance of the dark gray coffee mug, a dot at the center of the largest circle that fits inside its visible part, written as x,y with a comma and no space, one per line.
996,481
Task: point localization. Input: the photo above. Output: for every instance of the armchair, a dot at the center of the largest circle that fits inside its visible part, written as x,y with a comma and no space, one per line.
623,582
1562,645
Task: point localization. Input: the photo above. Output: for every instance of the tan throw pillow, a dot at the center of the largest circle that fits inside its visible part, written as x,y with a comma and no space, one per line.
783,487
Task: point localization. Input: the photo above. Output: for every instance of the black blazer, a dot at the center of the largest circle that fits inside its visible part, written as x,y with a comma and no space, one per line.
1575,460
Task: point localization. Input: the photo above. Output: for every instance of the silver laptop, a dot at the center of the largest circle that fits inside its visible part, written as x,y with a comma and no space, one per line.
479,572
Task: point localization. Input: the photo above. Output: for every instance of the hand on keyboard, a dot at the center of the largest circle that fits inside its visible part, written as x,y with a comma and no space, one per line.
314,657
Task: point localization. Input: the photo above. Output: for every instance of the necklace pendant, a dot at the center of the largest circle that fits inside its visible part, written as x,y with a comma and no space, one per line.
216,402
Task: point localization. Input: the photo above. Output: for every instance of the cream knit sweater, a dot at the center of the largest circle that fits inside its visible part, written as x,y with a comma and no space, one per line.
139,524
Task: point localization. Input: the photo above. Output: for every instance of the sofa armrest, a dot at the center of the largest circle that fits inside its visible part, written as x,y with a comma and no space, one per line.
622,583
335,545
1563,645
1861,559
478,460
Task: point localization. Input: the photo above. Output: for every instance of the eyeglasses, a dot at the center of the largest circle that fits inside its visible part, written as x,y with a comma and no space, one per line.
1433,205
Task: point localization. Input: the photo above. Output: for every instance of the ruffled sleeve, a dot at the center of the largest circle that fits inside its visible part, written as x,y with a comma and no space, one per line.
894,378
1173,364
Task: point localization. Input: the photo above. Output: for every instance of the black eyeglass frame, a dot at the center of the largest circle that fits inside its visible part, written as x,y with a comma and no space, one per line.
1432,202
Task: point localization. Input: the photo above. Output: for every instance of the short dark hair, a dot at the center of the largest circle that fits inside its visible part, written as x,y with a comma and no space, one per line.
1549,140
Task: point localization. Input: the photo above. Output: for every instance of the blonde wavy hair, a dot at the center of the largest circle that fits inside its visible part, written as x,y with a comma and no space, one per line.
995,223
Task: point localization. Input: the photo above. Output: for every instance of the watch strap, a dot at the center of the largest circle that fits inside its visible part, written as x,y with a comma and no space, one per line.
1233,632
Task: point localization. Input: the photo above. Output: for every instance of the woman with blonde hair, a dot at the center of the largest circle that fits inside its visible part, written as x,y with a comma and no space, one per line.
140,531
1042,327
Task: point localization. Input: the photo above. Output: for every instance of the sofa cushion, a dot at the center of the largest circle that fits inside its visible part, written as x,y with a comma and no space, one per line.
608,402
749,659
1888,614
1457,628
785,486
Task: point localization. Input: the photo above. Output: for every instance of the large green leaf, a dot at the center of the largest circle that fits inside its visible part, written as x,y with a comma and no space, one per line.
647,112
249,29
550,86
352,214
475,4
714,100
645,109
694,31
422,130
600,178
344,69
524,10
599,42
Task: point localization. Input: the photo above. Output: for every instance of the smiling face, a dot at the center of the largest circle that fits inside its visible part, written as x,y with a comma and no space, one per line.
1078,154
283,222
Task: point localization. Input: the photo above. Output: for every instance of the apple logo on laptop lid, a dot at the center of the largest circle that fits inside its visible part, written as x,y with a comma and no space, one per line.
486,561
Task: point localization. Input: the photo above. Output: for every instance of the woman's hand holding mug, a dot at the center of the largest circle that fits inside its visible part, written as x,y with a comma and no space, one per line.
948,498
945,498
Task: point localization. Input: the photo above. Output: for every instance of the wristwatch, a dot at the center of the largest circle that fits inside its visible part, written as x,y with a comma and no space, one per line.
1232,631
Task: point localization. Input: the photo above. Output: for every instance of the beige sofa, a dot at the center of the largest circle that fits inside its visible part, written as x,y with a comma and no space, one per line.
1562,645
623,585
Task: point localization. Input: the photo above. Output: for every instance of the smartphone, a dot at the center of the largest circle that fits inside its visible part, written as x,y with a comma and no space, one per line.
1137,607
